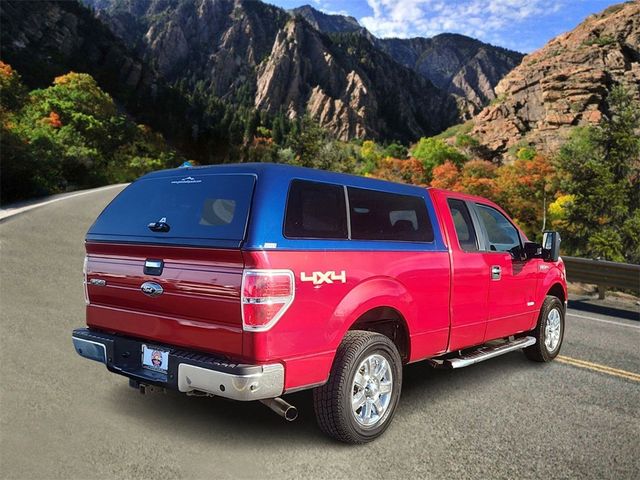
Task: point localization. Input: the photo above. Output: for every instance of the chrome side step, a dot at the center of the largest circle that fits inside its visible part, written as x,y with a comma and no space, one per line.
483,353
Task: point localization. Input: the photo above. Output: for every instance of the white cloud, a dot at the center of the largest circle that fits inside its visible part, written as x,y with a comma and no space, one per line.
325,7
488,20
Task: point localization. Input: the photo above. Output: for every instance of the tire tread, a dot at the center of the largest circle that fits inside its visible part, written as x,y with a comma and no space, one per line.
328,399
538,352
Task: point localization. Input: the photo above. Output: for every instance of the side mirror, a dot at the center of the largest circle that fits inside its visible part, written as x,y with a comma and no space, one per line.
551,246
532,250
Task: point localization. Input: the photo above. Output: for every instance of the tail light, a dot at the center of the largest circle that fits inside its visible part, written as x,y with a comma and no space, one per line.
84,271
266,295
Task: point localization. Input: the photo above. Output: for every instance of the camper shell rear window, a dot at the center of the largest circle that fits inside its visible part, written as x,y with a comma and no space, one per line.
188,209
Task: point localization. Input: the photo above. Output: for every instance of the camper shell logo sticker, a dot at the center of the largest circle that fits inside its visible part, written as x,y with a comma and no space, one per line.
318,278
186,180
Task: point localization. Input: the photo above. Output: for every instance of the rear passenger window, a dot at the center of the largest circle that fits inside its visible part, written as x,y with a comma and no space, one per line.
388,216
467,238
315,210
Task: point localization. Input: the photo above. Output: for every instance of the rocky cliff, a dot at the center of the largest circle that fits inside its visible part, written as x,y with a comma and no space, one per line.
45,39
459,65
328,23
564,84
252,53
202,62
218,43
349,86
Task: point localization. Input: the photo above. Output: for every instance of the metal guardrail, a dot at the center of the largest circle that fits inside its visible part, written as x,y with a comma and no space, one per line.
603,273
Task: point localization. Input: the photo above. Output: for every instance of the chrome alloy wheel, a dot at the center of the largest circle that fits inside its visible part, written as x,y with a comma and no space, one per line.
552,330
372,389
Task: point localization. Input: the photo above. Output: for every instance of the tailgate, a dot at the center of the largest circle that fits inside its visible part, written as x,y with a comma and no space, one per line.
186,227
199,303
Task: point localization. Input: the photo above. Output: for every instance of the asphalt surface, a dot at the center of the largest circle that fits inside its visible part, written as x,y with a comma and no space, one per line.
62,416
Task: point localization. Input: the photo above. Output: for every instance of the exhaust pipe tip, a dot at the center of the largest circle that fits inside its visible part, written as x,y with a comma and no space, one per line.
282,408
291,414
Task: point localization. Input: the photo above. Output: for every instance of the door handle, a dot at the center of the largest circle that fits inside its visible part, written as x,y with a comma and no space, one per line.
496,272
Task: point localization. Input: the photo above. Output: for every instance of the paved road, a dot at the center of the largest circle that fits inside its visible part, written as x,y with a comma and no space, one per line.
64,417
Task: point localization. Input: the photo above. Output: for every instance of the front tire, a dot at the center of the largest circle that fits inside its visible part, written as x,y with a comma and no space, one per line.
549,331
359,400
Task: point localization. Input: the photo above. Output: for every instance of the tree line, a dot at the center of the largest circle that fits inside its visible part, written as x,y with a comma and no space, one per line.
73,135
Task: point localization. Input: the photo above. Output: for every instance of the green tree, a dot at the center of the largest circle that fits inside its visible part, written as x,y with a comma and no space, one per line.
600,170
278,130
433,152
236,130
396,150
70,135
371,154
251,125
12,91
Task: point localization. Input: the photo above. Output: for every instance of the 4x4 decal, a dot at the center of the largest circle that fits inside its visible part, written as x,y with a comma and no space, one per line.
318,278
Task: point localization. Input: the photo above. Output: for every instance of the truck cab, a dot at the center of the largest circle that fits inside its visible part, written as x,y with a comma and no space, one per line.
256,280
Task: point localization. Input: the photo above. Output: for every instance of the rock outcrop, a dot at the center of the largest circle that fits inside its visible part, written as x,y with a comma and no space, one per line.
255,54
564,84
307,72
459,65
46,39
301,75
328,23
246,53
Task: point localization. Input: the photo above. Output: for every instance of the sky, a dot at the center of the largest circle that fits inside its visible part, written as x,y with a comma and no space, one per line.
522,25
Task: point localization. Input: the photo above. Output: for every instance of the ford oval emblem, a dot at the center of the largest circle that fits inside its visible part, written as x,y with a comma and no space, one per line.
152,289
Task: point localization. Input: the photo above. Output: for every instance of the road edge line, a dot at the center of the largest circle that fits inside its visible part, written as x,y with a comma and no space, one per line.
603,320
12,212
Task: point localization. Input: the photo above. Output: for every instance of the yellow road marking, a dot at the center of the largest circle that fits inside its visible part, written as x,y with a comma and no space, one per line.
599,368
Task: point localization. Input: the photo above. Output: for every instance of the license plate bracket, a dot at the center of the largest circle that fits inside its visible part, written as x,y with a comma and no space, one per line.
155,358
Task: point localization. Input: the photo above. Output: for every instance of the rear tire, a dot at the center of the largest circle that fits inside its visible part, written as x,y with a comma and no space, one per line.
359,400
549,331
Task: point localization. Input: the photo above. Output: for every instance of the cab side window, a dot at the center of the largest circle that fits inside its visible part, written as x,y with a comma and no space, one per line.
466,233
501,234
379,215
315,210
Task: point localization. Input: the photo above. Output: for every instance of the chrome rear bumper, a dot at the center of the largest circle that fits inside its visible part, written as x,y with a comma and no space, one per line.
187,371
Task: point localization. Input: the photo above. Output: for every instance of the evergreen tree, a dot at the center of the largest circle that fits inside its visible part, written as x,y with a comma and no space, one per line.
278,130
251,125
236,130
600,168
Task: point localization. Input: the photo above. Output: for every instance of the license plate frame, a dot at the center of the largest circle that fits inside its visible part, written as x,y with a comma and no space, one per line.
154,358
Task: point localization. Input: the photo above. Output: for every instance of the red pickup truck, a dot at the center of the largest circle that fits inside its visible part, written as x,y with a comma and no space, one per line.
256,280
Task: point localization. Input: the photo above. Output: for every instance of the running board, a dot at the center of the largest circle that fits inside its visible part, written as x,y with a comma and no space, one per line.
483,353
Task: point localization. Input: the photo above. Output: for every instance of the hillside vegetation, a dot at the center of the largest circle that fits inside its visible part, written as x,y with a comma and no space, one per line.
560,151
70,135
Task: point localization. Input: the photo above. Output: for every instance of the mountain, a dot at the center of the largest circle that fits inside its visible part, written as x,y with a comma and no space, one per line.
217,42
328,23
44,40
252,53
459,65
564,84
306,71
196,69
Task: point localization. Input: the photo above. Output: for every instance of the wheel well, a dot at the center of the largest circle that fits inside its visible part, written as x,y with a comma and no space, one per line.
388,322
557,291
